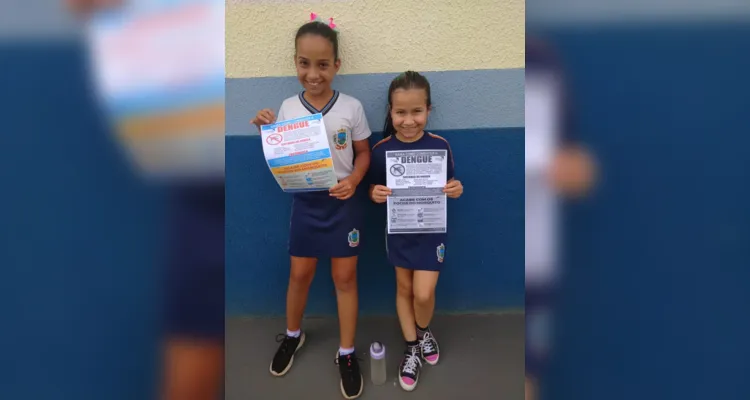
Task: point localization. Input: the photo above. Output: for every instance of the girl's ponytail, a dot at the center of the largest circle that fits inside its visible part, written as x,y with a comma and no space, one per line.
388,129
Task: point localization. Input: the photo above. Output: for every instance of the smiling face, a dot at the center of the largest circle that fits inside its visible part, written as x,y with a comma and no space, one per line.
409,112
316,64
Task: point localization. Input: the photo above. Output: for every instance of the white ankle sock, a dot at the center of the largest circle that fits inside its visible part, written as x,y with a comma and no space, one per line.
345,352
294,334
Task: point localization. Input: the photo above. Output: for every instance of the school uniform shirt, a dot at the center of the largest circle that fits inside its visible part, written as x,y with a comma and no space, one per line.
321,225
425,252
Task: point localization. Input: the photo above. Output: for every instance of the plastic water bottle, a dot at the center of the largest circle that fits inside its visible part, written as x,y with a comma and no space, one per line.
377,363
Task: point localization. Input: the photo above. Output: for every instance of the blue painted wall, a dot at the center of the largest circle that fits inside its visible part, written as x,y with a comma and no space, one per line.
657,291
484,270
480,112
80,239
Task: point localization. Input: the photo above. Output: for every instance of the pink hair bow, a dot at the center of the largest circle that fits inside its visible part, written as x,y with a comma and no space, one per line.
315,17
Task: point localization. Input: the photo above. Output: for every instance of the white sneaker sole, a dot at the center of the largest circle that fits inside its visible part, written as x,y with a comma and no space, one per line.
361,387
291,361
406,387
432,362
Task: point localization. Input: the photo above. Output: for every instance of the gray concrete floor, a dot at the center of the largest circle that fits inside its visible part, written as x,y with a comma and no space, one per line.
482,357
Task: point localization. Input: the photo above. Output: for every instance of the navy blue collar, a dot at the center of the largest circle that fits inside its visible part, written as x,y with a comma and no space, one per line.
325,109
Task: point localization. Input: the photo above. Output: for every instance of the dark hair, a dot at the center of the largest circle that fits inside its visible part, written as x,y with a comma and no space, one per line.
321,29
407,80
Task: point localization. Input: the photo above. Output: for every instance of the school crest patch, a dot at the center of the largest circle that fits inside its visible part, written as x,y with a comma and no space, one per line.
340,139
354,238
441,253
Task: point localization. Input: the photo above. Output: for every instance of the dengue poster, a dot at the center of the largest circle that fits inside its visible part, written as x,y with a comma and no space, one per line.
298,154
417,203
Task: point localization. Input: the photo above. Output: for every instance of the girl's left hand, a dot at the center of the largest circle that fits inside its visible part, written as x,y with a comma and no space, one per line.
343,190
454,189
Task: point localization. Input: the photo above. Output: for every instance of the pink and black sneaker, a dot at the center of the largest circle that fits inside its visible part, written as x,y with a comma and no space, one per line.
429,347
408,370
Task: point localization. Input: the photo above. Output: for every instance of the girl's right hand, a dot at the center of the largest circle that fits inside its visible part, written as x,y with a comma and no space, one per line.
264,117
380,193
84,8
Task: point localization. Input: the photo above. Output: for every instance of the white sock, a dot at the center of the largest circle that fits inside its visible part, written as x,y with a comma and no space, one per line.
345,352
294,334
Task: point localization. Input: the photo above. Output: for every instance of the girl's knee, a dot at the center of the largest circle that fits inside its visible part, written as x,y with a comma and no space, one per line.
301,276
404,283
345,279
404,289
423,296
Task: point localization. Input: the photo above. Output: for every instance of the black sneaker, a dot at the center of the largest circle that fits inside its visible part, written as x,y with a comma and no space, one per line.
429,348
352,381
284,357
409,369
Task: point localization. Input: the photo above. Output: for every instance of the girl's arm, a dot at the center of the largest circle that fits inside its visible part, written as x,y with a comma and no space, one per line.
361,145
361,161
376,177
347,186
453,187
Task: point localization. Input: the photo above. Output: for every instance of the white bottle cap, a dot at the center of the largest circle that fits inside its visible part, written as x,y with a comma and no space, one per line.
377,350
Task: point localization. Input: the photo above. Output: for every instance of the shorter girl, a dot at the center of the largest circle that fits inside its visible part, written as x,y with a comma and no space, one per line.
418,258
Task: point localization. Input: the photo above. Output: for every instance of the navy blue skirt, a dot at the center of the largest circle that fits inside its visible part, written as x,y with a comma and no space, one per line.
422,252
325,227
195,270
539,313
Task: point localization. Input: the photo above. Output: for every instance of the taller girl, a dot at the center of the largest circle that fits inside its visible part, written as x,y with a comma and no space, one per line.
325,224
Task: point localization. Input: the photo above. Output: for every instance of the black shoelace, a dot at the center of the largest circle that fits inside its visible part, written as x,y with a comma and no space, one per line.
349,366
287,343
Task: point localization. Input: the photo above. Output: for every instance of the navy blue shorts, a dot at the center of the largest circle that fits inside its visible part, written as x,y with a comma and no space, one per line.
325,227
539,327
422,252
195,270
